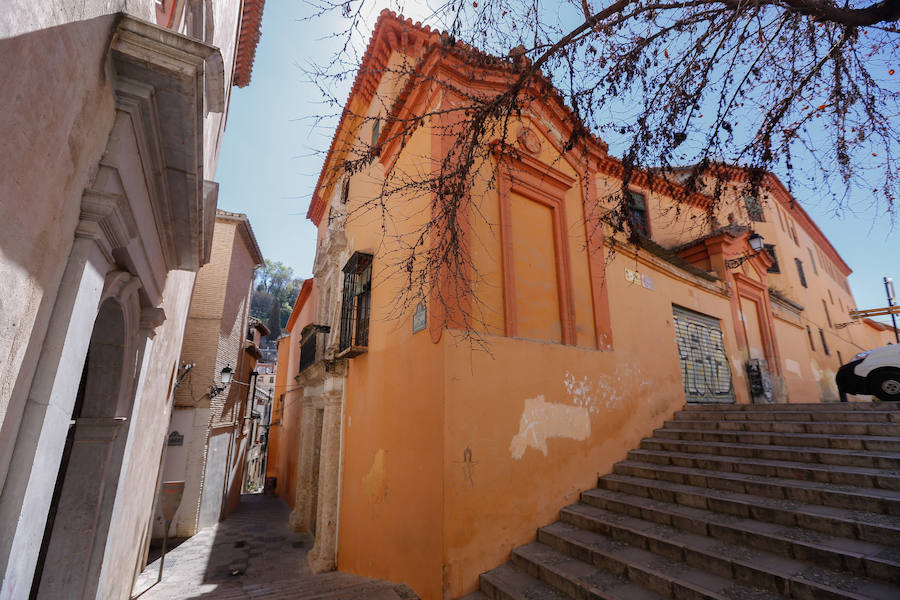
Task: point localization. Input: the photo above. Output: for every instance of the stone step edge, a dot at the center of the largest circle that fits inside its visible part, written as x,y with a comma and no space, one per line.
566,574
643,565
723,406
674,423
741,528
501,579
806,510
885,495
874,454
888,417
815,436
693,550
768,462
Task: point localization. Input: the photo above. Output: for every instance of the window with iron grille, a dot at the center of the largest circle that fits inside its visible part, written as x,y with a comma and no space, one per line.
308,352
637,214
754,209
800,272
309,344
809,335
356,304
770,248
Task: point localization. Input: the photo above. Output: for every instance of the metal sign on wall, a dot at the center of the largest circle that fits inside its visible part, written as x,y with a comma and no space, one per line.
420,318
701,351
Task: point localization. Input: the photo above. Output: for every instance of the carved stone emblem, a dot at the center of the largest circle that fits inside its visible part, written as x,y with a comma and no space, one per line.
529,141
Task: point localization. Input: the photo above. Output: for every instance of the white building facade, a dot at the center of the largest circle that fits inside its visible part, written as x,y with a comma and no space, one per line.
114,116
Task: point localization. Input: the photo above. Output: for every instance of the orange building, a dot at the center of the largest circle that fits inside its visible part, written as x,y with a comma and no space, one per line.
414,455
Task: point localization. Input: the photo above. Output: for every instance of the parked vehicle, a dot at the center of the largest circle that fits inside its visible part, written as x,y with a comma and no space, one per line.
875,372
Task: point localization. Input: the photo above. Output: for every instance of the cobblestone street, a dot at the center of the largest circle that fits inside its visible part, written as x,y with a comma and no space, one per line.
253,554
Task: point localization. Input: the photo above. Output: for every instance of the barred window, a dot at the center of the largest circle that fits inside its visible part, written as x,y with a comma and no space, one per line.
356,304
637,214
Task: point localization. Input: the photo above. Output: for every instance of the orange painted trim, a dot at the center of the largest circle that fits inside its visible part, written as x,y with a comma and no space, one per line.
448,287
594,237
305,291
545,185
510,313
759,292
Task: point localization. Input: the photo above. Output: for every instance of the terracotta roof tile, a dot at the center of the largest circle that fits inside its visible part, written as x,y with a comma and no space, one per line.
248,38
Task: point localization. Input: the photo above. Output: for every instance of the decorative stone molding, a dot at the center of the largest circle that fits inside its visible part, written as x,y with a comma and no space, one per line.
165,82
151,318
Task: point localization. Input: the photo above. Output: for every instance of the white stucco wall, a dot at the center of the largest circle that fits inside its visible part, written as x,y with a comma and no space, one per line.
58,115
147,434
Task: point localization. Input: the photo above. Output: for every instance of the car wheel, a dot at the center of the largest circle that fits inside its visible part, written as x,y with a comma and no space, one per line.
885,385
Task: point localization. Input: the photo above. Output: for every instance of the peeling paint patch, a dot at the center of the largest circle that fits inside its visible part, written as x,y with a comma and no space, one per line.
375,481
817,373
608,391
793,366
542,420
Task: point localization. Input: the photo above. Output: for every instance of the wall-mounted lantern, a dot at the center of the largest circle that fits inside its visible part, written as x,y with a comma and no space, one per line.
757,243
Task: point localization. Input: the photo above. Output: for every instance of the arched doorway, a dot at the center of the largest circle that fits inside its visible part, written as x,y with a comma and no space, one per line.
75,535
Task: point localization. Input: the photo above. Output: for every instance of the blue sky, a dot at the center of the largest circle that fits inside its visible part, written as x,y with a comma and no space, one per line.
269,165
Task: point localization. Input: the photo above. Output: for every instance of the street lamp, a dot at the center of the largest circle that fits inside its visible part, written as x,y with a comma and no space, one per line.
225,375
757,243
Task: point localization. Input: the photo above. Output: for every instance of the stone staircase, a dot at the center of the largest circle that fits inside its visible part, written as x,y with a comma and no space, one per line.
731,502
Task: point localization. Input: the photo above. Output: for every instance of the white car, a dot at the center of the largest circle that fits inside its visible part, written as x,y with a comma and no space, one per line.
875,372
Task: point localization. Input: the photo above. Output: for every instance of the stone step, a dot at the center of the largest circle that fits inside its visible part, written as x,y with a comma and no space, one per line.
809,492
476,595
757,568
507,582
576,578
801,407
879,529
856,476
666,577
806,440
841,416
825,456
784,426
875,561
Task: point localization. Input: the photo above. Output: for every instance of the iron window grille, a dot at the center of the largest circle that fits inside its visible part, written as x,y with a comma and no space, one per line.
309,344
637,214
770,248
356,305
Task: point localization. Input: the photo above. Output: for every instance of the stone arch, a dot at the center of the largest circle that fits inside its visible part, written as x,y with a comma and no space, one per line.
84,496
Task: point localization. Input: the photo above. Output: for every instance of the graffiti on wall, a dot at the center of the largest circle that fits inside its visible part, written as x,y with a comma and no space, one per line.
704,363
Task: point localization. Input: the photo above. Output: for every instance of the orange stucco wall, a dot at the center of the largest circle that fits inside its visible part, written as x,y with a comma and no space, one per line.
284,437
454,451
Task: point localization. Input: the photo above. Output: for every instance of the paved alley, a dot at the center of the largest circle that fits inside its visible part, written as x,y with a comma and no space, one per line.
254,554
